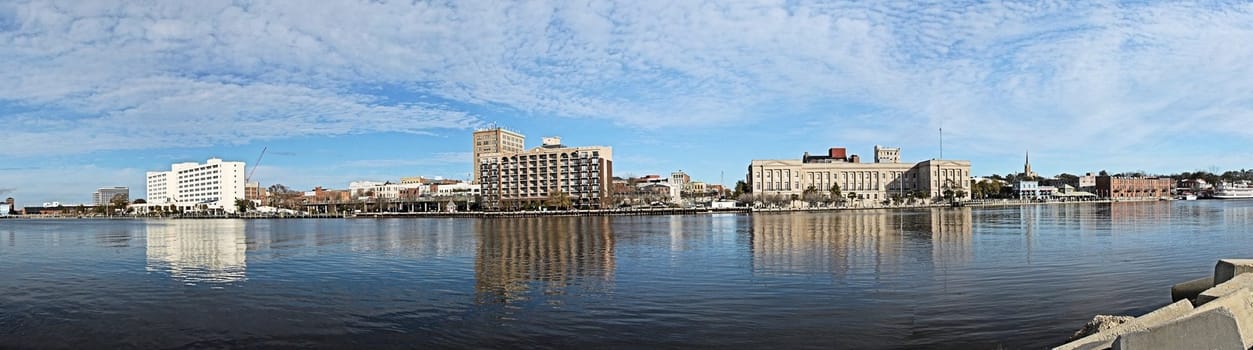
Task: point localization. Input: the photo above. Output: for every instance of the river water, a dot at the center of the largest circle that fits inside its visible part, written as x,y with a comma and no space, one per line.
962,278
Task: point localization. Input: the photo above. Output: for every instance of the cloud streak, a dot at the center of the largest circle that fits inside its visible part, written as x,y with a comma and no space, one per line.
1056,77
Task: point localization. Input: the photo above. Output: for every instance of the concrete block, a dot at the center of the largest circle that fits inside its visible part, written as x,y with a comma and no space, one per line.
1215,329
1222,289
1240,304
1229,268
1190,289
1104,339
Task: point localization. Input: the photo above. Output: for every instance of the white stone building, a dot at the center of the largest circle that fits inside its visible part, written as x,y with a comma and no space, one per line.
870,181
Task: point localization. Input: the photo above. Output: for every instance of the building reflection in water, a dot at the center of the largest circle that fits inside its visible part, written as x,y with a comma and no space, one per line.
951,232
403,237
518,257
839,242
195,251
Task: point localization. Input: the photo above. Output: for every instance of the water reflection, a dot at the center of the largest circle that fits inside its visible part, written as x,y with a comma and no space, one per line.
194,251
518,257
838,243
428,238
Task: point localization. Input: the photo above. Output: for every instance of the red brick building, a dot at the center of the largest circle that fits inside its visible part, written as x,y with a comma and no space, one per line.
1116,187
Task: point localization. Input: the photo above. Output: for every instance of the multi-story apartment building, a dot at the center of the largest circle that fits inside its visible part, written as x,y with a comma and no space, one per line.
495,140
873,181
103,195
191,186
526,179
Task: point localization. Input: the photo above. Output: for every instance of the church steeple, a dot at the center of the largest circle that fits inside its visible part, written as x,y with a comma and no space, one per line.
1026,166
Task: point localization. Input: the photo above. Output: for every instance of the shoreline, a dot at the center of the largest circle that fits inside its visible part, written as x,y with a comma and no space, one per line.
593,212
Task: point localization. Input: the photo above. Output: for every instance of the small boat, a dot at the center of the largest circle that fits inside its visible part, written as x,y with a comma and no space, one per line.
1187,197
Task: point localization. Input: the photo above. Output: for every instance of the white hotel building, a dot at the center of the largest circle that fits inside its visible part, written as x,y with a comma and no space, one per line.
215,184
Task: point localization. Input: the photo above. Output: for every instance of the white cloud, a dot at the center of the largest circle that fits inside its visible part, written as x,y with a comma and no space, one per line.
1051,76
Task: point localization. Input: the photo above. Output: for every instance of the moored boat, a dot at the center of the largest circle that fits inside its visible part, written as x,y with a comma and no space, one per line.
1234,190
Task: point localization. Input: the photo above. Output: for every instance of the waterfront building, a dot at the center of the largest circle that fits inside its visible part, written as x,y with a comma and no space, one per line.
873,181
1033,190
375,189
681,179
103,195
672,192
517,180
1120,187
4,209
494,140
412,180
214,185
254,192
455,189
1194,186
322,195
1087,182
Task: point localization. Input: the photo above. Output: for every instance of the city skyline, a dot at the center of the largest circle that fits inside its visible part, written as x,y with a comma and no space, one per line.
98,93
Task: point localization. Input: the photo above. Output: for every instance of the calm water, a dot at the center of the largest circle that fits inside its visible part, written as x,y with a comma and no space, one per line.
1014,277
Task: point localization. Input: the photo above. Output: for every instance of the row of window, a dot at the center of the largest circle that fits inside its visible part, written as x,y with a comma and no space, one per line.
192,170
594,155
202,179
198,176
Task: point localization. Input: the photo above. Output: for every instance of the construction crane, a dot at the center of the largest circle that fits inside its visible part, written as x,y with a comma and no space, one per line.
255,164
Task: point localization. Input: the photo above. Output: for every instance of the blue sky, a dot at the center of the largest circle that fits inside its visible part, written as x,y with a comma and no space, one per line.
95,93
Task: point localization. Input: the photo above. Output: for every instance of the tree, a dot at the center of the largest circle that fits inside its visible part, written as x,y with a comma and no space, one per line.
985,189
852,196
835,191
1103,173
746,199
140,201
283,197
1068,178
243,205
920,196
558,200
741,187
118,202
948,192
812,196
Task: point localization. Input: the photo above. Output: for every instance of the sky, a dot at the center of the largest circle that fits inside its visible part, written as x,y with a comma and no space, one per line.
95,93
